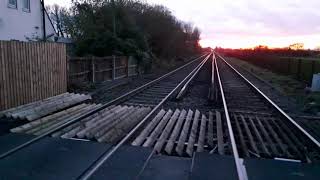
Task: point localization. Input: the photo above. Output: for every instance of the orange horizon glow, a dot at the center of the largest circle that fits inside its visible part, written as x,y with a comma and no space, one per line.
309,41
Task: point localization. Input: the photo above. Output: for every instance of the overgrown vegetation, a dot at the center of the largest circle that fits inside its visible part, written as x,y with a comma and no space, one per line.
125,27
300,64
287,85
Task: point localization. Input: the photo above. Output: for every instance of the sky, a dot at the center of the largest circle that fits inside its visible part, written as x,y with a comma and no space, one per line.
247,23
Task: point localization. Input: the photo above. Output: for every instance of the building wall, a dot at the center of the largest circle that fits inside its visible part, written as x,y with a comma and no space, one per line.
16,24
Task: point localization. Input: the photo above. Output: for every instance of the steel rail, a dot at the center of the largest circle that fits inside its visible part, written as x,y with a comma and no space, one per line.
82,116
98,163
241,174
184,88
213,87
317,143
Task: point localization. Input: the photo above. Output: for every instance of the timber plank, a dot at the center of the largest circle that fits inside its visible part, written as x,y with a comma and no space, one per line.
241,137
2,83
287,140
193,133
166,131
113,124
13,76
92,123
259,137
277,138
210,130
202,133
175,132
139,140
248,132
156,132
184,133
219,133
268,138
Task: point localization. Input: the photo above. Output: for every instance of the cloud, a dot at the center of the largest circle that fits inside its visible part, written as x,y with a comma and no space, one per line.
222,20
225,21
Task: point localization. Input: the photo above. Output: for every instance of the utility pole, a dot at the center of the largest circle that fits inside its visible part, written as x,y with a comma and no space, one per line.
114,18
43,21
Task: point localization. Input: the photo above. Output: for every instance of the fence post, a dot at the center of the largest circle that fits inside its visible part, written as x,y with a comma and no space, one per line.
113,67
93,70
68,69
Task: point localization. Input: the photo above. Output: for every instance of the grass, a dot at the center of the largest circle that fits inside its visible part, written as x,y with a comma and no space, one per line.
288,86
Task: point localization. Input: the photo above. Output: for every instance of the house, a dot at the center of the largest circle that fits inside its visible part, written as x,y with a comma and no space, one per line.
24,20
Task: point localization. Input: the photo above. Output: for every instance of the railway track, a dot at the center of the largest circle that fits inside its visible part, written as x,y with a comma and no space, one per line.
152,94
205,106
261,128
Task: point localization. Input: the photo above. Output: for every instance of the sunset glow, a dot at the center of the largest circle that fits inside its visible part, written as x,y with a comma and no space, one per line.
247,23
310,41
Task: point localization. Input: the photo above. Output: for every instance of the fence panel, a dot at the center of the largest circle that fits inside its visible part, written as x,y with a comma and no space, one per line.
78,70
121,67
102,69
99,69
132,66
30,71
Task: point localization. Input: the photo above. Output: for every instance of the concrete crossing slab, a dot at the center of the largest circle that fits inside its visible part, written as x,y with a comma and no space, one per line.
125,164
266,169
209,166
49,158
167,168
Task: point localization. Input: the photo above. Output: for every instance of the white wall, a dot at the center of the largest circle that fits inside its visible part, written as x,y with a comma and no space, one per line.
15,24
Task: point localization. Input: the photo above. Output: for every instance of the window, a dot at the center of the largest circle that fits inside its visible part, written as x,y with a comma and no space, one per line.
26,5
12,4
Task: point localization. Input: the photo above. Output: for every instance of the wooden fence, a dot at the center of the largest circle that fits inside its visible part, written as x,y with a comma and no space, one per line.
30,71
100,69
300,68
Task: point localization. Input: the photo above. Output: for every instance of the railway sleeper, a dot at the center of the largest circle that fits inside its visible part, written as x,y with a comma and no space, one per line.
108,125
182,132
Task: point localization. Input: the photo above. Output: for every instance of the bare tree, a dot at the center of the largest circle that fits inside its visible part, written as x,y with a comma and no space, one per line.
57,15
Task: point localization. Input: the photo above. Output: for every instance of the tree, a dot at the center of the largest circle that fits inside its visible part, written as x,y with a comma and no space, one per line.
261,47
140,28
296,46
58,17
